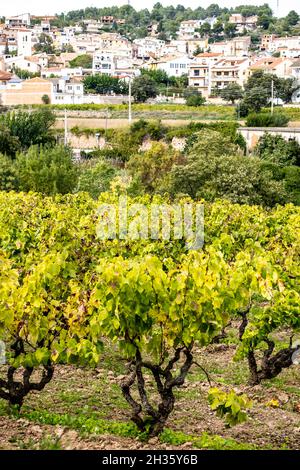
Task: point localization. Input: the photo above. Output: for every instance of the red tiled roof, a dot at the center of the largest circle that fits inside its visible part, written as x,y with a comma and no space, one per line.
4,76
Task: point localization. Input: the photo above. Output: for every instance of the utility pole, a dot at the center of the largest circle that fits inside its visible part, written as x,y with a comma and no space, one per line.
129,103
66,129
272,97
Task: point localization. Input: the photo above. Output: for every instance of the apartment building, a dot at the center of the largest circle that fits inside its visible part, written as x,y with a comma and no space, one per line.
229,70
199,72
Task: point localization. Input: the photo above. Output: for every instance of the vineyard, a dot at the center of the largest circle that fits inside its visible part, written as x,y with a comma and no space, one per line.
143,342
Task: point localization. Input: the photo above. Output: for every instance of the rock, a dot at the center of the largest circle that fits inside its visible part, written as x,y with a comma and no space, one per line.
121,377
153,441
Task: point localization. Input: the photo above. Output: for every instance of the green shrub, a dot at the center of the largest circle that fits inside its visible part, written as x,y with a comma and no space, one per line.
267,120
95,178
8,175
47,170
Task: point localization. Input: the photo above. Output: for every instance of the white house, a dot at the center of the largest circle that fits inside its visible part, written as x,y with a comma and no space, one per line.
295,67
18,20
24,42
104,62
23,63
174,65
67,91
148,45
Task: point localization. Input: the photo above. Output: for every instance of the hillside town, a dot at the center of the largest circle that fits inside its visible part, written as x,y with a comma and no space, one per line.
41,62
150,232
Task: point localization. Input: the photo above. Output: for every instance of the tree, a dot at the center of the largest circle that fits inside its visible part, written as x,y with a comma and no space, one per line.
143,88
25,74
47,170
30,128
276,149
104,84
258,90
85,61
264,21
148,169
218,29
231,93
292,18
254,100
214,169
230,30
236,178
8,177
45,44
193,97
9,144
197,51
95,178
205,29
285,89
46,99
159,76
67,48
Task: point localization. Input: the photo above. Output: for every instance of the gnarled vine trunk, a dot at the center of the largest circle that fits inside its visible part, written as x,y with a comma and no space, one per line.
144,414
14,391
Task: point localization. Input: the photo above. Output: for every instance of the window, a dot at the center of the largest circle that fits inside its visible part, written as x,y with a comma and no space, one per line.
196,73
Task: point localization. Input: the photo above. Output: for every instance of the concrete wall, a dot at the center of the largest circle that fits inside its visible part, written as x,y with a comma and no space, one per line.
252,134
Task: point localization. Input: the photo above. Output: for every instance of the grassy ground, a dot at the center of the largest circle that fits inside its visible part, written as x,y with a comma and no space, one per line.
84,409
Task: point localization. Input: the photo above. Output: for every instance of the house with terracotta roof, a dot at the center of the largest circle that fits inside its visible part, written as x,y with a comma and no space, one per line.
4,77
279,66
199,72
229,70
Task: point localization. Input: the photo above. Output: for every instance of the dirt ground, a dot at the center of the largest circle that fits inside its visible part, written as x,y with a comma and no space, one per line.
77,393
